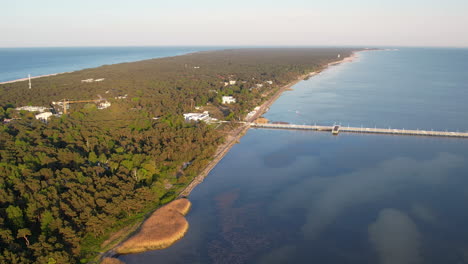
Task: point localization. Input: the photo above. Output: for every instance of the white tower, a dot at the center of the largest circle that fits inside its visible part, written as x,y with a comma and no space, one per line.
29,76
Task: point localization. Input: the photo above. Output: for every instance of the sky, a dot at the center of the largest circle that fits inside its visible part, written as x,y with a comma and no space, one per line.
53,23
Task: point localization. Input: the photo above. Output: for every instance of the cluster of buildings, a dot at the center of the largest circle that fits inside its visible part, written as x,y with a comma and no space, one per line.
28,108
44,113
205,117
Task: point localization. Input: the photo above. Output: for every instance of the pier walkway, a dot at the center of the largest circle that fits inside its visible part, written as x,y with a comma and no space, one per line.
338,129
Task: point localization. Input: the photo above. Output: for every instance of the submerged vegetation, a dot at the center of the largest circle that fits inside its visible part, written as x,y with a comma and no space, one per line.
67,184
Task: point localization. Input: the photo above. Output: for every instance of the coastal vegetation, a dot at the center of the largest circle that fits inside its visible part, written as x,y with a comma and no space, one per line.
68,184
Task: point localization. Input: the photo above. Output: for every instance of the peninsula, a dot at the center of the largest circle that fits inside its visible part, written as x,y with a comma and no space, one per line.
86,176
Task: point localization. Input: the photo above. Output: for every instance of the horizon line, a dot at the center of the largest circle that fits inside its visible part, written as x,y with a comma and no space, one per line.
237,46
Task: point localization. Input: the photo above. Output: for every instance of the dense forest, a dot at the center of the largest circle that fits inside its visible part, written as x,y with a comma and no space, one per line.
68,183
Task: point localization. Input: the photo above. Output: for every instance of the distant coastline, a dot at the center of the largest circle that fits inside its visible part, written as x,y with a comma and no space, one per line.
33,77
55,74
346,59
55,61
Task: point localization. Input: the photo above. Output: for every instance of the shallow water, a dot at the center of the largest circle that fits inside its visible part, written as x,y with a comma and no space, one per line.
309,197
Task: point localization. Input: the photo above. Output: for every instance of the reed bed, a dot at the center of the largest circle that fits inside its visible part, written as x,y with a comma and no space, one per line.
111,261
164,227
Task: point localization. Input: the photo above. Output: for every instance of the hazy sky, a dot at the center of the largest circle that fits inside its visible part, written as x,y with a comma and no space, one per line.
239,22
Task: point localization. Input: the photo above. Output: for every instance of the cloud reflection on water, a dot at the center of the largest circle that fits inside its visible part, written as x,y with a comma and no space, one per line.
330,197
396,238
423,213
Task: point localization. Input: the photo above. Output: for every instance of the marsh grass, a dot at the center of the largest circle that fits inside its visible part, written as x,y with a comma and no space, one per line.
111,261
164,227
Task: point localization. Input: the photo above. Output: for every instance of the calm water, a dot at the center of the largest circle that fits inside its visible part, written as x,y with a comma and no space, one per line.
410,88
310,197
17,63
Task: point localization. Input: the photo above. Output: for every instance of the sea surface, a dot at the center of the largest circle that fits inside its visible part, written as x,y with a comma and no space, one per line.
282,196
17,63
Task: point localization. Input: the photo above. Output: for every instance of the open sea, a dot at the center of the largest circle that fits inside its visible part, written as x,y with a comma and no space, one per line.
282,196
17,63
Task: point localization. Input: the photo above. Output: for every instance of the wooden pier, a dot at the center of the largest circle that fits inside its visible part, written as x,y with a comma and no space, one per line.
338,129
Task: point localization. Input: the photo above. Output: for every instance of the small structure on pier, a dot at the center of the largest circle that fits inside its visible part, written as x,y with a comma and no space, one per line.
336,130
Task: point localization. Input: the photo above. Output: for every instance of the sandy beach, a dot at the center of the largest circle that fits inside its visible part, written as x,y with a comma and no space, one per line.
33,77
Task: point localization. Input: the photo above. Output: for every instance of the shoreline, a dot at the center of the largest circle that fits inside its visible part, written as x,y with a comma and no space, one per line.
34,77
239,132
233,138
54,74
189,53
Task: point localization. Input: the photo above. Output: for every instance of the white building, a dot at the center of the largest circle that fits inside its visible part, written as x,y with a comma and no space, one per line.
104,105
250,115
87,81
197,116
100,80
44,116
269,82
33,108
232,82
228,100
